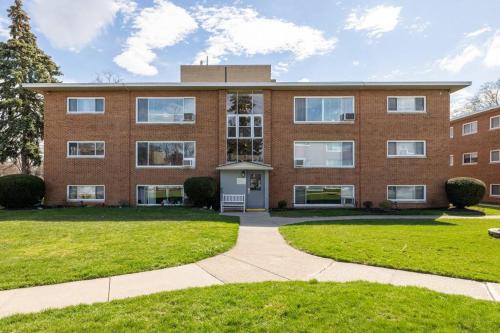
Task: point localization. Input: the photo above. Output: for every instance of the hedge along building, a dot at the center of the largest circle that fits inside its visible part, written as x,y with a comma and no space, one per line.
324,144
475,149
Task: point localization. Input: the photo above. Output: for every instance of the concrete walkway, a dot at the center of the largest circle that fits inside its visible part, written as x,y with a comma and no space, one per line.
261,254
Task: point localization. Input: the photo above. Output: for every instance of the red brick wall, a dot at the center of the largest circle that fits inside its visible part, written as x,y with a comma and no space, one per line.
371,130
481,142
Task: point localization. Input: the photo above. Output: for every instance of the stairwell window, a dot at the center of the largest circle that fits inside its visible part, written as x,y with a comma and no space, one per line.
85,149
495,122
406,193
324,154
470,158
469,128
406,148
85,105
323,195
165,110
336,109
160,195
165,154
406,104
85,193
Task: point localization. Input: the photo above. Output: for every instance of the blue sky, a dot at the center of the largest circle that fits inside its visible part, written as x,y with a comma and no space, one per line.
314,40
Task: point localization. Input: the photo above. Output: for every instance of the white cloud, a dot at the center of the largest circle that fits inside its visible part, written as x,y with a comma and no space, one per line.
418,25
376,20
243,31
455,63
73,24
478,32
355,63
460,99
156,27
492,58
305,79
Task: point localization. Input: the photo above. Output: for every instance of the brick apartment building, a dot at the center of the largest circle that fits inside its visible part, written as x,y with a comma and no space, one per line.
329,144
475,149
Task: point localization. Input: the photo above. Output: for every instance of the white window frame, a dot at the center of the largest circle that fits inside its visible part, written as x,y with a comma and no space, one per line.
164,166
85,156
163,122
491,123
252,122
469,153
85,200
406,112
452,160
424,200
304,143
326,205
323,111
156,205
491,191
407,156
469,123
452,134
86,112
491,156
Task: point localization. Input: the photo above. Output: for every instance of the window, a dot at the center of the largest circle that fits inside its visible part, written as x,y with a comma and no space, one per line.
451,132
160,195
469,128
406,148
495,156
406,193
166,154
495,190
406,104
85,105
469,158
85,193
323,195
85,149
495,122
328,154
324,109
165,110
245,126
452,160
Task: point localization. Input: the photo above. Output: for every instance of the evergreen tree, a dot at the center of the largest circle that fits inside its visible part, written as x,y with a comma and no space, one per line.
21,110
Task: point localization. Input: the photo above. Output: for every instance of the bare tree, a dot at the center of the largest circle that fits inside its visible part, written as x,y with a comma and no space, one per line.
108,77
487,97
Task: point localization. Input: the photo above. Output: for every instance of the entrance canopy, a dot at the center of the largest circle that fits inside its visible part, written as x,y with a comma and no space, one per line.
250,166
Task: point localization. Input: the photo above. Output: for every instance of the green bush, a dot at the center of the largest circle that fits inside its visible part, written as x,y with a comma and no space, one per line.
201,191
21,191
465,191
282,204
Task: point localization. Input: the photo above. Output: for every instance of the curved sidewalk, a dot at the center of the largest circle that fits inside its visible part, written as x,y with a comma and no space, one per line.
261,254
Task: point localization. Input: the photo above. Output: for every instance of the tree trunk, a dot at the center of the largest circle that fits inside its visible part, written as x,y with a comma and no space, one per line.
25,165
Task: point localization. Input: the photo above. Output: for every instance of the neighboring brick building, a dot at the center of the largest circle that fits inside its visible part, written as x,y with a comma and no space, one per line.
475,149
311,144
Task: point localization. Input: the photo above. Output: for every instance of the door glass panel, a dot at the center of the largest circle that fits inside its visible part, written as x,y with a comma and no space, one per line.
255,182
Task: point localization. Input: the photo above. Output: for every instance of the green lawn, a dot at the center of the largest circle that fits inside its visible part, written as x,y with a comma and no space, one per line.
56,245
479,210
452,247
273,307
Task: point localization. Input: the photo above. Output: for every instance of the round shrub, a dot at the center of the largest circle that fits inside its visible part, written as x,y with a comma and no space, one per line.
465,191
201,191
21,191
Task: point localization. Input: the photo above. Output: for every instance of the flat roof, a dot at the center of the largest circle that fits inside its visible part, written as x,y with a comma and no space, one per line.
47,87
477,113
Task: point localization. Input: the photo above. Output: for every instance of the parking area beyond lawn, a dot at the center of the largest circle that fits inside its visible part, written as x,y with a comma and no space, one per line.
273,307
49,246
447,246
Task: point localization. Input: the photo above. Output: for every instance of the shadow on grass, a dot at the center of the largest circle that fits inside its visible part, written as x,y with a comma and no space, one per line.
429,223
96,214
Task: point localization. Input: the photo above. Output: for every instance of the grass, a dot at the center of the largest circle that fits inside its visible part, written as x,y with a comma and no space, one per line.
49,246
451,247
479,210
273,307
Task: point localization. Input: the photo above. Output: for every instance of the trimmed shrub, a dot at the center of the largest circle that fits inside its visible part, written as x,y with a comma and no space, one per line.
385,205
21,191
201,191
465,191
368,204
282,204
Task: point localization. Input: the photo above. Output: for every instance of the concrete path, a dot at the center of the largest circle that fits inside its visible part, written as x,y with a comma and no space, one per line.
261,254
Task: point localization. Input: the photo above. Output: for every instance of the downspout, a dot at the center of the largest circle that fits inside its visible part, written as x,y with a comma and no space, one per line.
359,152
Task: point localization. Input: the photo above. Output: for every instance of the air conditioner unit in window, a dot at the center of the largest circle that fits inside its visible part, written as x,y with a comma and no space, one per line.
299,163
348,201
188,117
188,162
347,116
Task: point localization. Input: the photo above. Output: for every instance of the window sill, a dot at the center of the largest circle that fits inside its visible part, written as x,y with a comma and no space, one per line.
163,167
165,123
406,112
85,200
466,164
411,157
323,167
86,157
469,134
76,113
350,122
321,206
408,201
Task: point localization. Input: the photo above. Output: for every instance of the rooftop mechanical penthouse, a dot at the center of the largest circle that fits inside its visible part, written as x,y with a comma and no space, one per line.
324,144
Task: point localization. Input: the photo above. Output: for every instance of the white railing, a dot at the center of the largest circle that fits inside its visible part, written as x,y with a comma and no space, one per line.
232,201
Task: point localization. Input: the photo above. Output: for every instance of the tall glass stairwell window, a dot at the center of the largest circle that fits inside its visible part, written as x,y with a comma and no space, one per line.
245,121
